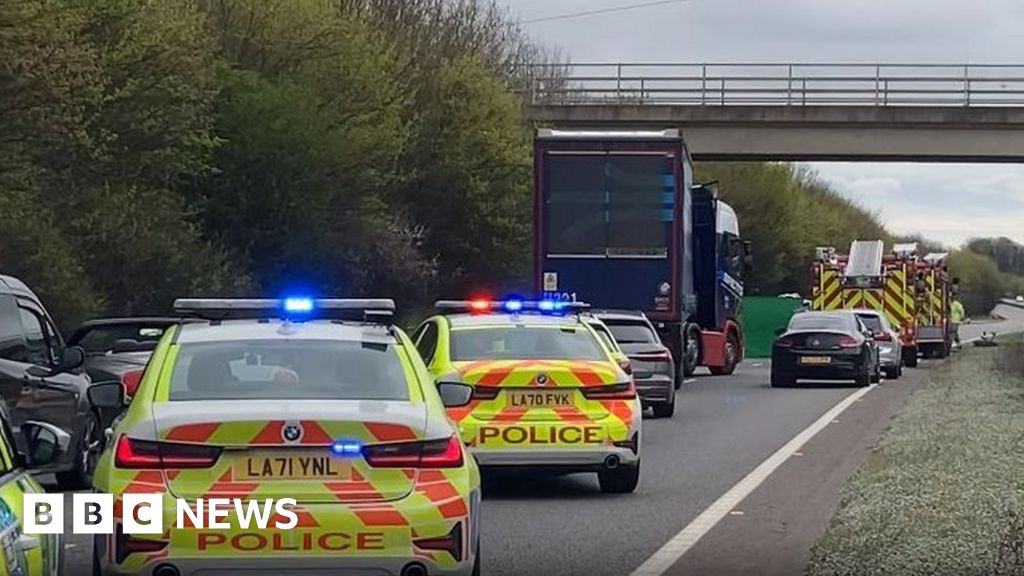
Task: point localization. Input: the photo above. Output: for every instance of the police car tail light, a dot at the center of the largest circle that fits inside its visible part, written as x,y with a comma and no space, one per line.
144,454
621,391
126,545
450,543
444,453
131,381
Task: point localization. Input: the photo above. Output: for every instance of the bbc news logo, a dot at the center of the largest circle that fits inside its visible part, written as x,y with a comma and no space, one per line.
144,513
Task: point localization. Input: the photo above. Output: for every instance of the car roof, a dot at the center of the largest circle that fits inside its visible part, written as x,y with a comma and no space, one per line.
634,315
11,285
168,320
847,314
867,312
237,330
469,320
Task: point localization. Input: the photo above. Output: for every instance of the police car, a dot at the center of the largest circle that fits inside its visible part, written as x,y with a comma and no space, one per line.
322,401
547,391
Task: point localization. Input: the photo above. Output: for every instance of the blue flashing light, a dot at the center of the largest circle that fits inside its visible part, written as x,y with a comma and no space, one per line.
297,305
514,305
546,305
347,448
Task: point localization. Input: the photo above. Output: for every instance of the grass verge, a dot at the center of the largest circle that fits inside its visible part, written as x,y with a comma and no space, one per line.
943,492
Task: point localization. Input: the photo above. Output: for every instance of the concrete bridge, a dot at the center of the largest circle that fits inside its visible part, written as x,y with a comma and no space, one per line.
879,112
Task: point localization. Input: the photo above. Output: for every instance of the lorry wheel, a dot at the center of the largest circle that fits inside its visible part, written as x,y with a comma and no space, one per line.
732,352
691,352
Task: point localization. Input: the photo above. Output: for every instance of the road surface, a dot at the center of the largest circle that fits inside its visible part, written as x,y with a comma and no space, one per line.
723,429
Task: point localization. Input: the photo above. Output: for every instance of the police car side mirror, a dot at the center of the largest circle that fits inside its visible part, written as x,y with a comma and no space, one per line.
46,443
454,394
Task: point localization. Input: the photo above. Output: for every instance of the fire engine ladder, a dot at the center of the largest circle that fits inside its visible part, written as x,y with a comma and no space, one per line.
865,259
863,284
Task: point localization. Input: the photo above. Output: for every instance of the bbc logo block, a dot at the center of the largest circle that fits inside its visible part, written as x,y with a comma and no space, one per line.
93,513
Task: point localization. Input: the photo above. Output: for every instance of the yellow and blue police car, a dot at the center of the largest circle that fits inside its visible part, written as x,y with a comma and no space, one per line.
323,401
547,391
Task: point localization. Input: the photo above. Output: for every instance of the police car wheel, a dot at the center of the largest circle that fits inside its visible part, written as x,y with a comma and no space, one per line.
622,480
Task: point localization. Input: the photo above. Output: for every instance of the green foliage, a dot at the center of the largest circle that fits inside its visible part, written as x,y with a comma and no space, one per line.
156,149
471,190
1007,254
981,284
786,212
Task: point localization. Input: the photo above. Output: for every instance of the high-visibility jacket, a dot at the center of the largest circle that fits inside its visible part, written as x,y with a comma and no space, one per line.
956,312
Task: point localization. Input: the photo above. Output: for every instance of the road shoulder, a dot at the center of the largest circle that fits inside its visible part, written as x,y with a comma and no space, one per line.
772,530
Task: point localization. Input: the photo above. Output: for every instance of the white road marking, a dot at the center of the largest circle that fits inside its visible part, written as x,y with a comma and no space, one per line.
689,381
663,559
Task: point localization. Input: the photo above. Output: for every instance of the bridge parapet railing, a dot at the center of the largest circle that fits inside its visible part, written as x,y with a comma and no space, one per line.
737,84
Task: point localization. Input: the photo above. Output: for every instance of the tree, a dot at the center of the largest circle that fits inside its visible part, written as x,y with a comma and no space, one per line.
471,190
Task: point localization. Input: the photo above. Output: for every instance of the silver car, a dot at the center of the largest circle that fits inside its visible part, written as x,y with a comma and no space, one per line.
652,364
890,350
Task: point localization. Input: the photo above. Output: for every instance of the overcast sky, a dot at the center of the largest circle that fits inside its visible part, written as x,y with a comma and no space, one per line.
948,203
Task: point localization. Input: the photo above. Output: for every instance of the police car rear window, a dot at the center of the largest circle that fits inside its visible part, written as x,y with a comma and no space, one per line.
524,343
293,370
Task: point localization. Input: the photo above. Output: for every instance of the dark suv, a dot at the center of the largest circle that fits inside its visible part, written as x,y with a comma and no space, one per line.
41,379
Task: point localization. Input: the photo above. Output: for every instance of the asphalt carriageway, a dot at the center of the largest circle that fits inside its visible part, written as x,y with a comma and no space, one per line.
743,479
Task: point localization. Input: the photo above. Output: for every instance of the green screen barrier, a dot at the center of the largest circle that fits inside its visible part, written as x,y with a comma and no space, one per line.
762,316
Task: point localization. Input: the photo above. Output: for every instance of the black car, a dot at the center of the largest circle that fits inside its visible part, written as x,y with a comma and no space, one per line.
825,346
117,349
41,379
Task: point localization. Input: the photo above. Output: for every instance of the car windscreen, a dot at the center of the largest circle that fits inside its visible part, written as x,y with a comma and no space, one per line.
101,339
632,332
525,343
805,322
871,322
288,370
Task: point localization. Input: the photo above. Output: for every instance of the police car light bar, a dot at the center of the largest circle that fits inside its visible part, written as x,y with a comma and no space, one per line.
373,310
511,306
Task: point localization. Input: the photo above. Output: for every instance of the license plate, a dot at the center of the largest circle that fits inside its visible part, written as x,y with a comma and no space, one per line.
816,360
539,398
291,467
